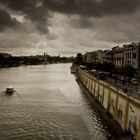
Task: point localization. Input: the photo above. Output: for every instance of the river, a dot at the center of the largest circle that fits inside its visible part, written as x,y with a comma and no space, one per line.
48,105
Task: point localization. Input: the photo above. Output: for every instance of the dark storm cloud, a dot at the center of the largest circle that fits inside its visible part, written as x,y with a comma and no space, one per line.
93,7
81,22
85,7
31,9
6,20
37,10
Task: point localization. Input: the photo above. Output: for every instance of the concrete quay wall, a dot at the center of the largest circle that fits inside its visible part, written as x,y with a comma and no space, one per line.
123,108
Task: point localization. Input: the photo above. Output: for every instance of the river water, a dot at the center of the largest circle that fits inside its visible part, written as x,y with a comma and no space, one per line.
48,105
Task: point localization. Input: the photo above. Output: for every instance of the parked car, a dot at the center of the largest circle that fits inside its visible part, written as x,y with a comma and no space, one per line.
134,81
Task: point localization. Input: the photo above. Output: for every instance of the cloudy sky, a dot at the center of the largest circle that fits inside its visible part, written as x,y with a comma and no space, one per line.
67,27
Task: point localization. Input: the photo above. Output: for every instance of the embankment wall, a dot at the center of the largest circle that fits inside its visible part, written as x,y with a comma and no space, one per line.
123,108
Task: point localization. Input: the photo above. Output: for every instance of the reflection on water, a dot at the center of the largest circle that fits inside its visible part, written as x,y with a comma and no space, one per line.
48,105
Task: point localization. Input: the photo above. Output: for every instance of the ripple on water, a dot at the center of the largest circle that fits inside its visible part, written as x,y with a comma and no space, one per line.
48,105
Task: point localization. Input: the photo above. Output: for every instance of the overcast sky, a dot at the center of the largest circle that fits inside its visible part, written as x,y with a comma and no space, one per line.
67,27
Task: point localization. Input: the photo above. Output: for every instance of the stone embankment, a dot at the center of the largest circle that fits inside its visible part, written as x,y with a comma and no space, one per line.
124,109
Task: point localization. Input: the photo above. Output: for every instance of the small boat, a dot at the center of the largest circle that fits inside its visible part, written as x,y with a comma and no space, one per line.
9,90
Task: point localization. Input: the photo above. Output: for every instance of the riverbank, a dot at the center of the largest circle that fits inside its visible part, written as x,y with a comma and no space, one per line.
7,60
120,107
11,66
115,128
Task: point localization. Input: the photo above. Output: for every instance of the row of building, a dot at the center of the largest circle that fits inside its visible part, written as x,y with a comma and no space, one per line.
128,54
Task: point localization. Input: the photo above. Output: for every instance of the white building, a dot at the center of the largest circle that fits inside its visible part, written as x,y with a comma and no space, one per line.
132,55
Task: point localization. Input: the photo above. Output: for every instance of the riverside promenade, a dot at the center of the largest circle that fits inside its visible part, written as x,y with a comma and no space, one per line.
132,90
129,89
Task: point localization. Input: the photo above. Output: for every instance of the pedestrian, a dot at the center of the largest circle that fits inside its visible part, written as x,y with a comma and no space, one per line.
125,90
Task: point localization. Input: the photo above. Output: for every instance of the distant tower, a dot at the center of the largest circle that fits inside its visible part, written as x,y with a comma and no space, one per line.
45,57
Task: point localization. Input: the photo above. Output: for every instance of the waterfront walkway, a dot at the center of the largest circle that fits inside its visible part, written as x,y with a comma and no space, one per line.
129,89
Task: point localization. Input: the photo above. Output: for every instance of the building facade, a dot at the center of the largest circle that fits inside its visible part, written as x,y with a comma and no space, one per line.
108,57
87,57
118,56
94,57
132,55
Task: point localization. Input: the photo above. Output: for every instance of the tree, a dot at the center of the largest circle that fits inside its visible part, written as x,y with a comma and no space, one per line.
1,59
79,58
109,67
98,66
129,71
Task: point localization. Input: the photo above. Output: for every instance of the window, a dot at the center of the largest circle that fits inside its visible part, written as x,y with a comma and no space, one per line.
125,55
130,55
134,55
